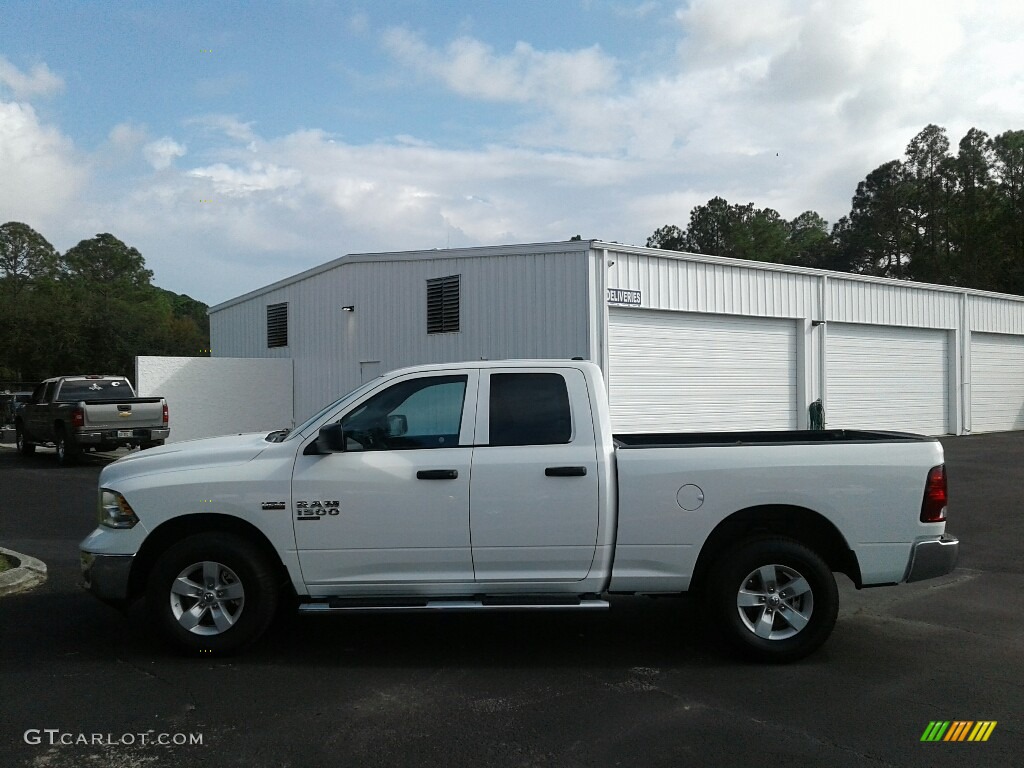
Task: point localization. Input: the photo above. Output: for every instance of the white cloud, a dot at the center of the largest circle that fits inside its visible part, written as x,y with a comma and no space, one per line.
39,82
162,152
782,103
126,137
239,182
227,125
471,68
41,175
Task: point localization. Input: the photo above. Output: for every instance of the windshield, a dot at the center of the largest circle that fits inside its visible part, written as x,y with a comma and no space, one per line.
353,395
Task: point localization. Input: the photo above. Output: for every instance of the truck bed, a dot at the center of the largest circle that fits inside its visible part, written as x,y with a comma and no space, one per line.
790,437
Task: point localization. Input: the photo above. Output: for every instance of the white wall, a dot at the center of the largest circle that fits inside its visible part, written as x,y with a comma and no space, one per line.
527,301
210,396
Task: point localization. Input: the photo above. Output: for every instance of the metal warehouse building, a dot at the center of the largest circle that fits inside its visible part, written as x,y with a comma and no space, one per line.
687,342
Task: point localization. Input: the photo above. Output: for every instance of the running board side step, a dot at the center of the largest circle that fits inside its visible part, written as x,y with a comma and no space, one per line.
422,605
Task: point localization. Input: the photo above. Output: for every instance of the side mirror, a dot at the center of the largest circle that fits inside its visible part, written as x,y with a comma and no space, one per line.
398,425
331,439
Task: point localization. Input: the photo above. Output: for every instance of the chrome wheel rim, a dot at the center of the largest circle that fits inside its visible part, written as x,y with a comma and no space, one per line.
775,602
207,598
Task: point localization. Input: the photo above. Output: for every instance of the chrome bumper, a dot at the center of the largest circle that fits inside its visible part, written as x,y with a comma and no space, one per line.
929,559
106,576
110,436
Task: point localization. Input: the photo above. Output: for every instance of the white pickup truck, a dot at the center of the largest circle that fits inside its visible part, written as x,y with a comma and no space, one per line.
500,486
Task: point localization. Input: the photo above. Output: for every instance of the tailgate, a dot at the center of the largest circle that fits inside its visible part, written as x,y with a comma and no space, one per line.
129,414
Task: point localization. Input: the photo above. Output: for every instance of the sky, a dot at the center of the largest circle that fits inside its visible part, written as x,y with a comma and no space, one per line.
238,143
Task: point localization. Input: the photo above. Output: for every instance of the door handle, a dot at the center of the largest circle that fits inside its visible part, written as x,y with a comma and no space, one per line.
437,474
565,471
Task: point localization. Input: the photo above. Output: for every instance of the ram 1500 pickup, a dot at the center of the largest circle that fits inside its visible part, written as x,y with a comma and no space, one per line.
500,486
100,413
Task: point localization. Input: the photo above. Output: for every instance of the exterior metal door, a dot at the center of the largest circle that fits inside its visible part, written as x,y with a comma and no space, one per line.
888,378
997,382
688,372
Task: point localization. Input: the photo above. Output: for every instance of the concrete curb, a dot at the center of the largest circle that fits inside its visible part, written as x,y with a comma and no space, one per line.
28,574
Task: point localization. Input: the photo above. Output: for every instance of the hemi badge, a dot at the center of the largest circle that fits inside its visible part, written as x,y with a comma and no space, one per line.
271,505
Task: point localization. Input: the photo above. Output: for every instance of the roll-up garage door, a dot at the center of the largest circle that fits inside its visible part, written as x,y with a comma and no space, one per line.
686,372
997,382
883,377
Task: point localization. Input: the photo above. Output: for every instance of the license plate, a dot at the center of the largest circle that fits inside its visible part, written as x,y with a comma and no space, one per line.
125,433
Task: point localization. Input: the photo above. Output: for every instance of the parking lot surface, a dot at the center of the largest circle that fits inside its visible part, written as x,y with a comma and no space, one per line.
641,685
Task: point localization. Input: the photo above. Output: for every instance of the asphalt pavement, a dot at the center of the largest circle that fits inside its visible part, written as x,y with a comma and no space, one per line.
642,685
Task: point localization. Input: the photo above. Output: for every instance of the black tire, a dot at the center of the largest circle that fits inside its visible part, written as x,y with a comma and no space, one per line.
68,450
747,592
150,444
226,617
25,447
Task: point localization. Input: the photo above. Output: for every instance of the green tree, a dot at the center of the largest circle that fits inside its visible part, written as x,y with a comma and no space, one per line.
119,314
876,237
669,238
1008,174
971,228
709,228
27,261
809,242
930,186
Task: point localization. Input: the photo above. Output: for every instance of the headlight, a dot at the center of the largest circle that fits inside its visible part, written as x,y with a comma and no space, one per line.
114,510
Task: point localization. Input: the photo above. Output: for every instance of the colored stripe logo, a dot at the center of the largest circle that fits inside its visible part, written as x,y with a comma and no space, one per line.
959,730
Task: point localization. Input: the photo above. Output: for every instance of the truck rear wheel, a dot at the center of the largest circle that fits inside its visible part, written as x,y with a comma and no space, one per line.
212,593
25,448
776,600
67,449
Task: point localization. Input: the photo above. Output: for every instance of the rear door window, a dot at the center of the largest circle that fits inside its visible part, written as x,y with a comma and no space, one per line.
529,409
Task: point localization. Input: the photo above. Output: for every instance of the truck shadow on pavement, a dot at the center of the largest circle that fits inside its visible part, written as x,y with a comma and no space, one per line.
44,457
637,631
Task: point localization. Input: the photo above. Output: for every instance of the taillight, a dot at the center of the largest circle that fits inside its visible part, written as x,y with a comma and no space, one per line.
77,418
165,414
933,508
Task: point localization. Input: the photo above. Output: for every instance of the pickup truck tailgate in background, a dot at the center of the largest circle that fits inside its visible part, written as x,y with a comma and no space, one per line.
137,412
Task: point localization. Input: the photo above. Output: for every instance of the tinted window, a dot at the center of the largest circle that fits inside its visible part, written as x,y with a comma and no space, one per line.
419,413
529,409
110,389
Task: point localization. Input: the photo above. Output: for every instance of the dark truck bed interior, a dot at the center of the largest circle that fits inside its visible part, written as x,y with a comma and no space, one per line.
793,437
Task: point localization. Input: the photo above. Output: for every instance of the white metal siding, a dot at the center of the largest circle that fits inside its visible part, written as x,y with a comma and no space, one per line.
883,377
996,314
513,305
892,304
672,371
997,388
686,283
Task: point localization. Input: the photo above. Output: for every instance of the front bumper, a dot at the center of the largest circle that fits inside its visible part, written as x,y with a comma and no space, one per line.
929,559
106,576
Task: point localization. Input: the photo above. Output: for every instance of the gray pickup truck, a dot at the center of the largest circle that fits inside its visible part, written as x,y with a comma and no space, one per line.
78,413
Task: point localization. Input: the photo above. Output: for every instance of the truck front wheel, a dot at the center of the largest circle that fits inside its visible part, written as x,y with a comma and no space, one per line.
212,593
776,600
